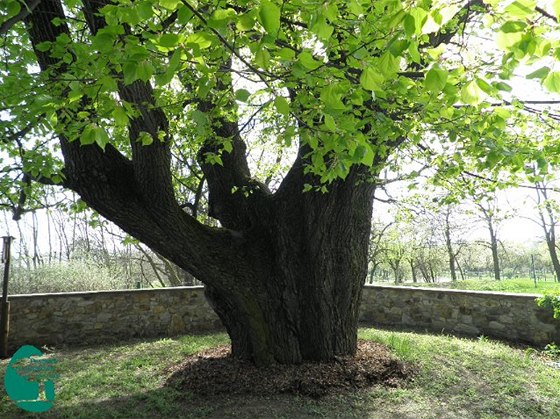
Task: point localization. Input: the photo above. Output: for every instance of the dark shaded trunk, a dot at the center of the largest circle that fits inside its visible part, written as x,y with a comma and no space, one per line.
460,269
413,270
302,302
553,251
494,249
449,246
548,223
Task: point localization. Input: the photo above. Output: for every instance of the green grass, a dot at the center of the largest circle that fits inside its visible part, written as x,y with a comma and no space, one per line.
521,285
458,378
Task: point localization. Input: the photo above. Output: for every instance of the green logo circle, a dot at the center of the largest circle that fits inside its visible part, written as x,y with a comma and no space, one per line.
29,380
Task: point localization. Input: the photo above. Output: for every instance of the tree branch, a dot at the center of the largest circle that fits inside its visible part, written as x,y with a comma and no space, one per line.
152,163
24,12
107,182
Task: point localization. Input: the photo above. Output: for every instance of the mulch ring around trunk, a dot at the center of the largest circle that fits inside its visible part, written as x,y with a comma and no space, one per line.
215,372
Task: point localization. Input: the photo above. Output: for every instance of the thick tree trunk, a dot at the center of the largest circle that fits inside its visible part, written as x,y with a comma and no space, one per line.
302,303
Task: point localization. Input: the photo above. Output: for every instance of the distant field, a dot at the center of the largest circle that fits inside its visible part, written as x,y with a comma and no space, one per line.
520,285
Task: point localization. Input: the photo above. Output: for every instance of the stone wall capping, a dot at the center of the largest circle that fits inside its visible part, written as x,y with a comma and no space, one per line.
453,291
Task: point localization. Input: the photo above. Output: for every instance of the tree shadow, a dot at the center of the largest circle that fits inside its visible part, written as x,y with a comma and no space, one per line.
165,402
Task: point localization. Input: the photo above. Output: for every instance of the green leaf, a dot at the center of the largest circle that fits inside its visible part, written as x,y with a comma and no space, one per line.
330,123
472,94
224,15
413,51
409,24
101,137
552,82
184,15
307,60
436,78
370,79
246,22
175,61
242,95
286,54
144,70
103,41
322,29
12,9
502,86
269,15
43,46
200,119
389,65
484,86
521,8
556,8
227,146
169,4
282,105
120,116
541,73
513,26
331,11
447,13
168,40
363,154
420,17
492,159
145,138
355,7
398,47
145,10
332,97
129,72
262,57
88,135
202,39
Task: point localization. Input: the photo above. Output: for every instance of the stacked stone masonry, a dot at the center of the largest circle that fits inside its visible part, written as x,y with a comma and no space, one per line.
112,316
513,317
79,318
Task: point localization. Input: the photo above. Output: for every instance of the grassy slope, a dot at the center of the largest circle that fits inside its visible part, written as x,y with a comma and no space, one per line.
458,378
522,285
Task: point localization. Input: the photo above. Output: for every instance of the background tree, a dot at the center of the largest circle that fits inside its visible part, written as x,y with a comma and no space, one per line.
547,209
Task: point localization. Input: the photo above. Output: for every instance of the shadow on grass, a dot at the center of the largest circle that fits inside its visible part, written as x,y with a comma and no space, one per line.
166,402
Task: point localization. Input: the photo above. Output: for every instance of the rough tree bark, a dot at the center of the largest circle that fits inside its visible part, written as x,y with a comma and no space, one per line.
489,218
284,274
449,245
494,248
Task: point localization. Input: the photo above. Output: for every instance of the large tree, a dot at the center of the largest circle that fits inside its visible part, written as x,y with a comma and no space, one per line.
112,99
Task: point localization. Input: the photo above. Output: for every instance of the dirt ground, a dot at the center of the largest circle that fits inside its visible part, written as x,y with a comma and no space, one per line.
215,372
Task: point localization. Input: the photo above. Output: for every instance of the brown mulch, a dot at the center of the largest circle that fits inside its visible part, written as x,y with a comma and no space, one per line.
214,372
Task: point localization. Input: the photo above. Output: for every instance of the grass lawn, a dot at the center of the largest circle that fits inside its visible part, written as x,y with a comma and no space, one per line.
520,285
458,378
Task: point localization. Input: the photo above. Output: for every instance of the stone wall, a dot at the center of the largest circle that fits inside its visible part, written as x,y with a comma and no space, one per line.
107,316
110,316
513,317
